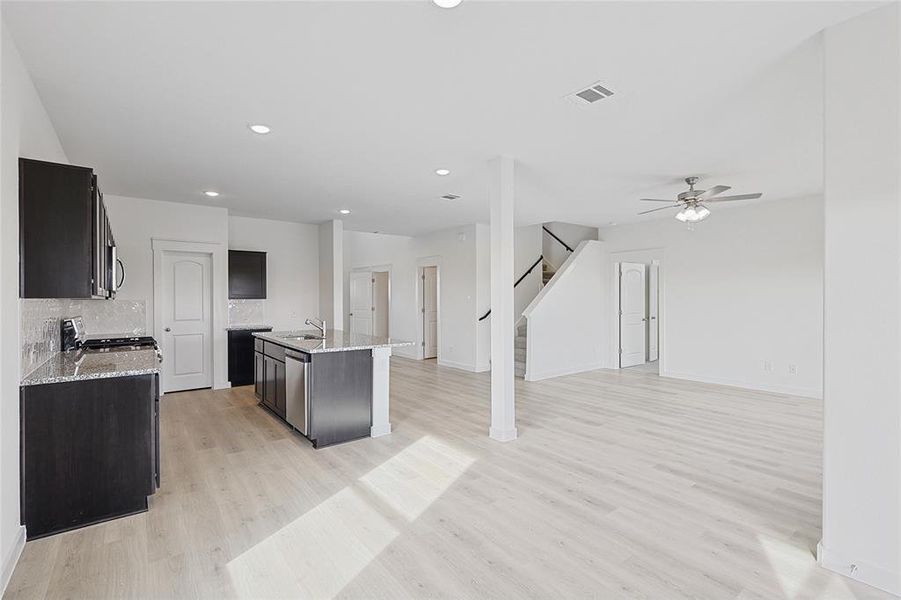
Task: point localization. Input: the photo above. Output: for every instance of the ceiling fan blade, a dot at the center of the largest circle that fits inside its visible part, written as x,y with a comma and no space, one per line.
717,189
654,200
661,208
737,197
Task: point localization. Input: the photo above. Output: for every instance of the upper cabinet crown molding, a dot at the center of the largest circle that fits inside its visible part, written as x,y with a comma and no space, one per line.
246,275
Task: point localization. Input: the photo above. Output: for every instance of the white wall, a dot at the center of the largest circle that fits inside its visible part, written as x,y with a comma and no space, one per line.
862,399
566,330
455,252
137,221
292,267
526,248
331,269
570,233
25,130
742,289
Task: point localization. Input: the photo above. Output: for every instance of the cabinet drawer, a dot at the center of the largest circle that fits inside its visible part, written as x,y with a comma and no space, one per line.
274,350
257,345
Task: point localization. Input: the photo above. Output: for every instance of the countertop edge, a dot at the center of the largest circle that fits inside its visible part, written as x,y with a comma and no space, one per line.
70,378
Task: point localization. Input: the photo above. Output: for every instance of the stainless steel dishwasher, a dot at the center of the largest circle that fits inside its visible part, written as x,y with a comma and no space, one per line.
297,390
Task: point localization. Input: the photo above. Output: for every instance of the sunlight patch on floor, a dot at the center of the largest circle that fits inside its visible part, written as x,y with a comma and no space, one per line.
320,552
414,478
794,568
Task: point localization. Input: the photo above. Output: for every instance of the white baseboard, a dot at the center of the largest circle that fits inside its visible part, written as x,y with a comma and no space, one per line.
762,387
502,435
455,365
10,560
878,577
561,371
406,352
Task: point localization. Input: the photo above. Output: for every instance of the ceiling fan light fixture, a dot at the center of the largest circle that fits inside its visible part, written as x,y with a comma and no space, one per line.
692,214
703,212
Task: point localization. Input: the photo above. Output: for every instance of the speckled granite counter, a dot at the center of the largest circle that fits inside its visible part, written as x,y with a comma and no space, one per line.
335,340
77,365
247,327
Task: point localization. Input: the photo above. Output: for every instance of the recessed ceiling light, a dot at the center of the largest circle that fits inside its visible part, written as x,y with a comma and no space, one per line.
344,211
442,172
210,193
447,3
260,128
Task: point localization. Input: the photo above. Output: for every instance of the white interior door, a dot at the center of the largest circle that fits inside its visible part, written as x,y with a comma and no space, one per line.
361,307
632,315
380,299
187,321
653,316
429,312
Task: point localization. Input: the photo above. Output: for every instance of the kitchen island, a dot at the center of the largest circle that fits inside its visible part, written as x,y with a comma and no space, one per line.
332,388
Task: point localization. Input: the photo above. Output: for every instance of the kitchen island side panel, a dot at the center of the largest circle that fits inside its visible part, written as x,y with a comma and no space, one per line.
341,396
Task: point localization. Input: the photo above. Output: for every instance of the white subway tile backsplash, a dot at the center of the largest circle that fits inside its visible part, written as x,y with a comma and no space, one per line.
242,312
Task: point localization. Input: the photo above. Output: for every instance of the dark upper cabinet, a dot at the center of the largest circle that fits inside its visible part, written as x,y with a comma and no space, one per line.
246,275
66,247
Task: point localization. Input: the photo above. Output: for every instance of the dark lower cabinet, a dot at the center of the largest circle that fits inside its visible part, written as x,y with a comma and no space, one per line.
258,375
274,385
241,356
340,397
90,451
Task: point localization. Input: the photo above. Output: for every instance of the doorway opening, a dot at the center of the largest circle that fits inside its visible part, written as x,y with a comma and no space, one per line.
370,301
428,309
637,313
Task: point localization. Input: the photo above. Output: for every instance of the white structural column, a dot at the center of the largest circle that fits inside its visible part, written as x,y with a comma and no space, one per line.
862,302
501,198
381,368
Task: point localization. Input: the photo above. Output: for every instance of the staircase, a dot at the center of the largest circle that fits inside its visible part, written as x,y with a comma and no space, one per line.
519,351
547,272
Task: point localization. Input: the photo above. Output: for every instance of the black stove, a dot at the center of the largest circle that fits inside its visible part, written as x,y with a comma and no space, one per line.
118,342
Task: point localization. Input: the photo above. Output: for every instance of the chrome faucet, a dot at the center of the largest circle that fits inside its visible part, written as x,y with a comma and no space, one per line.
320,325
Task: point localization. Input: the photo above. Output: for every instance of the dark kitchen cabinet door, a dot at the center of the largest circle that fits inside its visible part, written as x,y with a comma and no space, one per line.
89,451
56,231
246,275
280,389
274,385
259,375
241,369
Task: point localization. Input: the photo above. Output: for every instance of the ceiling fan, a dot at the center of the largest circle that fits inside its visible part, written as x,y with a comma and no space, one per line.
691,201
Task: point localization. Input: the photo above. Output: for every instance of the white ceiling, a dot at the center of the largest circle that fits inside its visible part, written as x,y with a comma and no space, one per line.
367,99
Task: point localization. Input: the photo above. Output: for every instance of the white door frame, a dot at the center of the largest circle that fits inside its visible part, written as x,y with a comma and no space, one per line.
645,255
375,269
219,283
421,264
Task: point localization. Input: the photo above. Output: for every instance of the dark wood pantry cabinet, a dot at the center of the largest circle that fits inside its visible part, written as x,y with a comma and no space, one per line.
66,244
246,275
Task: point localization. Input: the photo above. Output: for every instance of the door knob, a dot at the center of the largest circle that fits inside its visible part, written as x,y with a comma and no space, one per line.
168,329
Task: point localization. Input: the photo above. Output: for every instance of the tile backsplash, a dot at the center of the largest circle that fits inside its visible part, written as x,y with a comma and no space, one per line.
39,323
246,312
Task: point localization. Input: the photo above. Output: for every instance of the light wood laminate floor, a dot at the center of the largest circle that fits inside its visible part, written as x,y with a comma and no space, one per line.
621,485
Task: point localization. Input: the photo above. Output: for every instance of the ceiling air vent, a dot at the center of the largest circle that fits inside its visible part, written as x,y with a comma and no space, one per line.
450,197
590,95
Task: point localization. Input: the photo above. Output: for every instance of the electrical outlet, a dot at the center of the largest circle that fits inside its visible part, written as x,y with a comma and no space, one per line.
792,369
768,366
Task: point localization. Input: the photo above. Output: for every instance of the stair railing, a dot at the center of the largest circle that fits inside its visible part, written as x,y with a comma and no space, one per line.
534,264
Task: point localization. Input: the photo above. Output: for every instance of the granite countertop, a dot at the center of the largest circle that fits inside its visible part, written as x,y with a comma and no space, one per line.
77,366
246,326
335,340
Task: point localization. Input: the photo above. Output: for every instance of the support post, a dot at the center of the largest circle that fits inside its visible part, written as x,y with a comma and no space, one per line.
501,198
381,365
